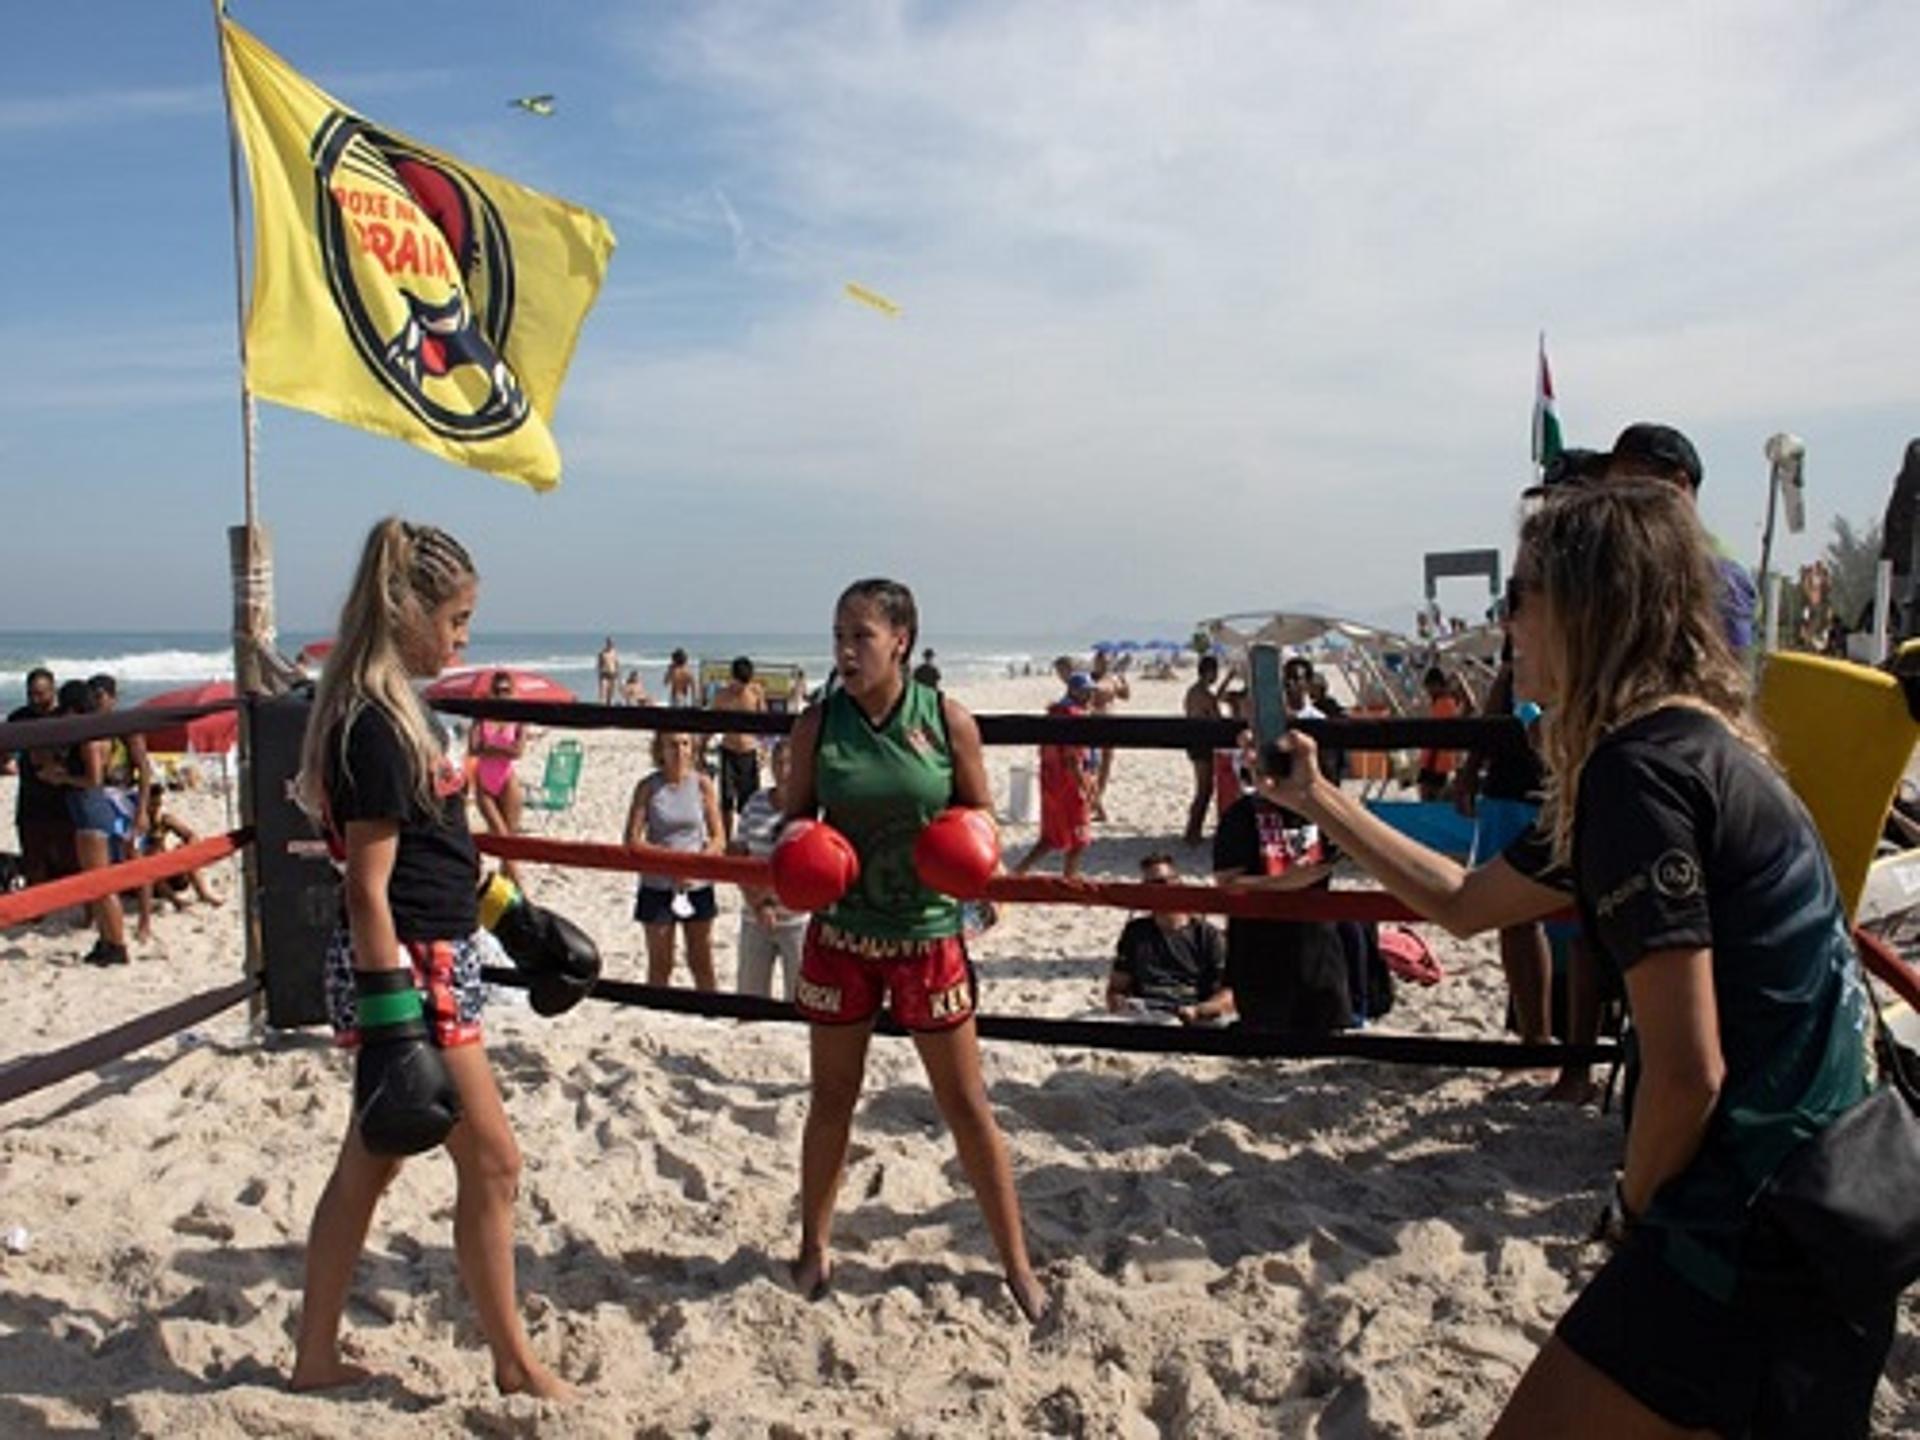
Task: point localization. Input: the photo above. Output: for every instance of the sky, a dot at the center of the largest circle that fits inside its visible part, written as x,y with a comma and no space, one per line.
1206,307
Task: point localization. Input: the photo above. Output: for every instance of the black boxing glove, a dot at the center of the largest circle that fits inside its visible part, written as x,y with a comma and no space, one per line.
559,959
403,1099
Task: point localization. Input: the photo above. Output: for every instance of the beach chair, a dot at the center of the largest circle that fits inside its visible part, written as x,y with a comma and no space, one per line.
555,790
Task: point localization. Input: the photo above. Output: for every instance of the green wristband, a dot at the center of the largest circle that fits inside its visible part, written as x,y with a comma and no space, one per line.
395,1007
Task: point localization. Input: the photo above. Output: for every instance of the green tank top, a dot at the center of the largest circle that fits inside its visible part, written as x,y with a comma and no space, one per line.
879,785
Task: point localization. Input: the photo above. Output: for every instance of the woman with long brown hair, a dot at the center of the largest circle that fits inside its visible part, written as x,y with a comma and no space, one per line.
1698,873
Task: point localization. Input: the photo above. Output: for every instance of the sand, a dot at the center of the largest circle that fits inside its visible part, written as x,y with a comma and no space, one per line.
1329,1248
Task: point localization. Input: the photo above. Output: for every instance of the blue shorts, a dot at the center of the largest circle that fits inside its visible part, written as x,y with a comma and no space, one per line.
102,810
1496,825
655,907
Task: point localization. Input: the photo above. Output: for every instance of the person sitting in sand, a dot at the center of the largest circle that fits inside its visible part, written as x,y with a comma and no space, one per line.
1066,787
1287,975
167,832
676,807
681,685
494,746
1168,962
1202,702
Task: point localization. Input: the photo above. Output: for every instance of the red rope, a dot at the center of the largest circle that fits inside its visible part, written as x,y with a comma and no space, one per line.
89,885
1882,960
1250,904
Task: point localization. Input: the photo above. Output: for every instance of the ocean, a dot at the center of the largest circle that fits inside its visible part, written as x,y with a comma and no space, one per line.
149,662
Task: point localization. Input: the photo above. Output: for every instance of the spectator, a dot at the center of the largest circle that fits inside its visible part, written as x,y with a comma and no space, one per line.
1066,787
1110,687
607,668
1437,765
163,828
634,690
40,807
739,754
494,746
926,672
1202,702
676,808
1284,974
103,822
767,929
683,690
1170,962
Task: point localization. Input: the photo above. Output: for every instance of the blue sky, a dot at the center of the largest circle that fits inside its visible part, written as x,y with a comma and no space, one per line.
1207,306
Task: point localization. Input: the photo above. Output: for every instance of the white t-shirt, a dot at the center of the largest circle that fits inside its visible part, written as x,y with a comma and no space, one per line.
757,827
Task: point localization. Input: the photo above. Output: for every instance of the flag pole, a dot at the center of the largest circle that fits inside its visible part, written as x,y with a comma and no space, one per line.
249,557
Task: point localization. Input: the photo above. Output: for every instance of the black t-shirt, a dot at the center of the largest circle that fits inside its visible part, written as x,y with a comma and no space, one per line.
35,801
1183,967
437,870
1685,839
1285,974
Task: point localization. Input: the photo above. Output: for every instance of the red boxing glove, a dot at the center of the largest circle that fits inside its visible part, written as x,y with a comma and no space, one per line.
813,865
957,853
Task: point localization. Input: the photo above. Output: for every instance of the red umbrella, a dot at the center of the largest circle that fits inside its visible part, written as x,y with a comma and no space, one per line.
210,734
477,684
314,653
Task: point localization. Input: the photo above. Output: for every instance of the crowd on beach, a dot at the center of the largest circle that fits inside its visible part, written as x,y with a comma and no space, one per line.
92,804
1645,799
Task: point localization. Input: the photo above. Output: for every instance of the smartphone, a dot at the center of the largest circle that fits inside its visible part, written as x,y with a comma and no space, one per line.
1269,708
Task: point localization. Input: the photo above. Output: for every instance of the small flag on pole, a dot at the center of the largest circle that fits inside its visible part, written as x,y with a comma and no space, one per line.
1546,416
401,291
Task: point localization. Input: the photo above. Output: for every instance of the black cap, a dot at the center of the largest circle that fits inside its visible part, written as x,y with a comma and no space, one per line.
1659,448
1569,467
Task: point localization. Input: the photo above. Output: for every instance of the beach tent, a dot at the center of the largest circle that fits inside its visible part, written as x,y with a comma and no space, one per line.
209,735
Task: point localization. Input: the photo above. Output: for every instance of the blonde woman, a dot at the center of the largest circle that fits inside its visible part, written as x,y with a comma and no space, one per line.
1700,876
403,975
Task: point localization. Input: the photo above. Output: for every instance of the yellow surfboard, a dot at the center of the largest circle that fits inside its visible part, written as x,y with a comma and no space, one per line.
1844,735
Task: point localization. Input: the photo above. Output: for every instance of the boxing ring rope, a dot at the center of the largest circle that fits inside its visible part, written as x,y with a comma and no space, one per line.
55,732
1229,1041
90,885
36,1072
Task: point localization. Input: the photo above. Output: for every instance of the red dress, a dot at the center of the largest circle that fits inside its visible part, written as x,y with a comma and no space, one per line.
1065,813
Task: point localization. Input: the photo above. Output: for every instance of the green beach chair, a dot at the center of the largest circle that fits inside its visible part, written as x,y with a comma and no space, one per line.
555,790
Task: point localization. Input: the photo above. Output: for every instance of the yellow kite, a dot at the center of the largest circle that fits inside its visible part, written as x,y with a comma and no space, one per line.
877,301
399,290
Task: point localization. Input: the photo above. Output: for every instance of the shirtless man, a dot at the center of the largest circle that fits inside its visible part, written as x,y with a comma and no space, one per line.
1202,703
739,754
682,689
1109,688
607,667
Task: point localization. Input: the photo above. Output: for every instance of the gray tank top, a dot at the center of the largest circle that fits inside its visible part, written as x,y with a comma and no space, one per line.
676,820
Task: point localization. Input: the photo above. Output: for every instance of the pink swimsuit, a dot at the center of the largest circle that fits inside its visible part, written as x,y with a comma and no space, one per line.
491,770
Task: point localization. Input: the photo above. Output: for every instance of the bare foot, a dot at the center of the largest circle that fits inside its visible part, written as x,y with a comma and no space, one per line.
812,1276
1573,1090
330,1374
532,1378
1030,1295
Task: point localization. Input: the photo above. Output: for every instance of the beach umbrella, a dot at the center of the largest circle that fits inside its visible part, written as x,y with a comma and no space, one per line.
210,734
314,653
477,684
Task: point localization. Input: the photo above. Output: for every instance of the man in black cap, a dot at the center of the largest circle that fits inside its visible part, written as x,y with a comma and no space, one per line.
1646,450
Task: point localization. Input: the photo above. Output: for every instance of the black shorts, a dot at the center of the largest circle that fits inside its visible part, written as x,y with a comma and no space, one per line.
739,778
655,907
1776,1362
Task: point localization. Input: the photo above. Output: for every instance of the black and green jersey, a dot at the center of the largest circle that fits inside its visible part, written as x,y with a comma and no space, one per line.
879,784
1684,838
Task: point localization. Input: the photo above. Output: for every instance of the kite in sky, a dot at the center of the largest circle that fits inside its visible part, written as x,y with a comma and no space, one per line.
534,104
877,301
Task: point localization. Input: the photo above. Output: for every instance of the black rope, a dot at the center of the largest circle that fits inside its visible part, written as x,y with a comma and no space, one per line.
58,731
37,1072
1490,733
1233,1041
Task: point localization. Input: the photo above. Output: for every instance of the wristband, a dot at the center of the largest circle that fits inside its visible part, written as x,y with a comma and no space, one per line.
387,998
497,896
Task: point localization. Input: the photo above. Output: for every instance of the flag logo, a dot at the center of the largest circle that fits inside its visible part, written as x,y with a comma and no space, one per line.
435,326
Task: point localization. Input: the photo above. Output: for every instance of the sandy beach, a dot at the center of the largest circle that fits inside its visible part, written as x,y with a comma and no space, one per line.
1328,1248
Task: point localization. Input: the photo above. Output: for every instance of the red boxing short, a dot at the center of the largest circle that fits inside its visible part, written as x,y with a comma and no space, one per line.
447,973
844,979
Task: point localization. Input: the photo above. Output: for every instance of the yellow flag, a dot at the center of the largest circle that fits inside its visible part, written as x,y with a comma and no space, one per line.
399,290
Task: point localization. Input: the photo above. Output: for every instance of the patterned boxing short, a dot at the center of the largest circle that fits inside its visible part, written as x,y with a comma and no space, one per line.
447,973
926,985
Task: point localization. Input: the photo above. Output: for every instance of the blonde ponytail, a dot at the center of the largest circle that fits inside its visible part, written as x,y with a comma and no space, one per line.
405,572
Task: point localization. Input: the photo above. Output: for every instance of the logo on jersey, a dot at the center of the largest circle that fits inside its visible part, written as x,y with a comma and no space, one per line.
1676,875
